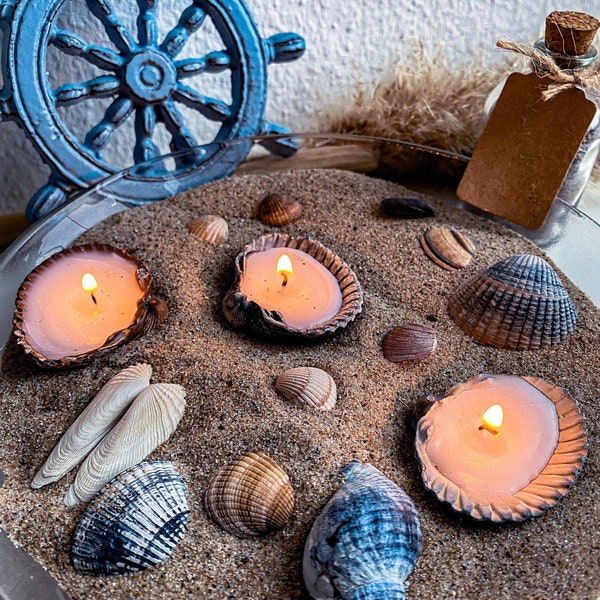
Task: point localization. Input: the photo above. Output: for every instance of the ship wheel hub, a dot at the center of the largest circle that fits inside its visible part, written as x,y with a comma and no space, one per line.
150,77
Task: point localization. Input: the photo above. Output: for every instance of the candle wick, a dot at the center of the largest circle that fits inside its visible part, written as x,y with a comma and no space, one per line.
285,278
489,428
94,298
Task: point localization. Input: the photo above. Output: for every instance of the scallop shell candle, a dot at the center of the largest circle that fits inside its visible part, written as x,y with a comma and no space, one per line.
82,302
501,447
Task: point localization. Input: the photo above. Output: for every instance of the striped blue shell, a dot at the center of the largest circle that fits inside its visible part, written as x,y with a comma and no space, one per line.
134,523
365,543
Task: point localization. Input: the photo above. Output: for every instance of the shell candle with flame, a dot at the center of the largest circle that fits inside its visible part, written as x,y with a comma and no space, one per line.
83,301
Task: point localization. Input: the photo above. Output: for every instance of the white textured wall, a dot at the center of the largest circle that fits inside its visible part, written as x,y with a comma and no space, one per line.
347,41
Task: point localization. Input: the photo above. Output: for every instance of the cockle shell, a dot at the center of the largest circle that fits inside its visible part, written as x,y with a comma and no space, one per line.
517,304
278,210
210,228
411,341
94,423
308,386
406,208
448,248
135,522
250,497
366,541
150,420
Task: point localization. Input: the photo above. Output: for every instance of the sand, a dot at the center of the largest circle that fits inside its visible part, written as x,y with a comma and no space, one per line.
233,408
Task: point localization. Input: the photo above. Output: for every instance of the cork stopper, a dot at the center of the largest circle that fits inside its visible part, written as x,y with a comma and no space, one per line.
570,32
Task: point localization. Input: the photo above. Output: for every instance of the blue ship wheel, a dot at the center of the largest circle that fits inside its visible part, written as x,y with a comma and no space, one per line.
145,83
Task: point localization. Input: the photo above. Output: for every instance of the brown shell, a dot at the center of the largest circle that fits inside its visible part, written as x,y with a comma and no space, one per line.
248,315
517,304
151,311
553,482
210,228
308,386
448,248
250,497
278,210
409,342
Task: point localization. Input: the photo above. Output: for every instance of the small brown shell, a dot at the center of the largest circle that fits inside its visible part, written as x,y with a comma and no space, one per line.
250,497
448,248
278,210
409,342
308,386
210,228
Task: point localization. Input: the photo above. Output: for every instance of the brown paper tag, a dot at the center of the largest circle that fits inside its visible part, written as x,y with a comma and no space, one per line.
526,150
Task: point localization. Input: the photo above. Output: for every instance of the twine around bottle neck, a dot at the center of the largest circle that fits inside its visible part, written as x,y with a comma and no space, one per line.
561,79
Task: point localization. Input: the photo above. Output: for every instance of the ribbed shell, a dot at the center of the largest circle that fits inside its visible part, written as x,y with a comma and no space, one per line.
308,386
411,341
94,423
517,304
278,210
210,228
135,522
150,420
250,497
366,541
448,248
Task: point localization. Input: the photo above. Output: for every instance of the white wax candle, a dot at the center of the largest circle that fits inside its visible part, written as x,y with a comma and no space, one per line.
483,464
311,296
61,318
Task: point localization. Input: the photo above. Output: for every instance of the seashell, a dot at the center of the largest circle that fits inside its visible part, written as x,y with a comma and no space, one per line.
517,304
540,487
406,208
278,210
134,523
409,342
366,541
250,497
448,248
308,386
248,315
40,343
93,423
150,420
210,228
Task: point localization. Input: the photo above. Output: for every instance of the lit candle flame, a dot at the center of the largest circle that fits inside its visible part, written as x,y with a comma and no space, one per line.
284,268
492,419
89,284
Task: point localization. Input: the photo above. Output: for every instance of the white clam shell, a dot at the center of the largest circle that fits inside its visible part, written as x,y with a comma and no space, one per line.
308,386
93,423
151,419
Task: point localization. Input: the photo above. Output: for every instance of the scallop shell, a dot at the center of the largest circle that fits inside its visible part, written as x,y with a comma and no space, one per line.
409,342
517,304
544,491
210,228
250,316
366,541
94,423
308,386
134,523
448,248
150,420
250,497
150,311
278,210
406,208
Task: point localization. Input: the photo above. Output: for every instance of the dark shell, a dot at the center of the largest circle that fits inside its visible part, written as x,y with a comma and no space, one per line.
366,541
517,304
409,342
249,316
278,210
406,208
448,248
135,522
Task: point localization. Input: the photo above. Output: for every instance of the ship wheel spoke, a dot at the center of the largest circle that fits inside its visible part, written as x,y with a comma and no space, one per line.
115,115
181,138
214,62
100,87
146,22
145,123
211,108
118,33
190,21
70,43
